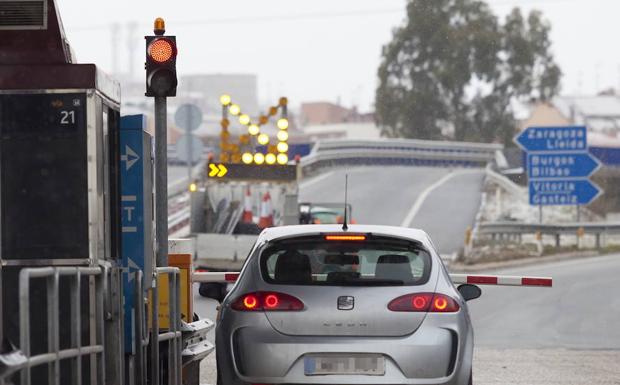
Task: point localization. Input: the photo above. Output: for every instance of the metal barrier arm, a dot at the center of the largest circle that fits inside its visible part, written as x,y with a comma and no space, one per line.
499,280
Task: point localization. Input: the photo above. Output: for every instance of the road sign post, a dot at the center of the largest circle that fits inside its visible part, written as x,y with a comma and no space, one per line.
558,166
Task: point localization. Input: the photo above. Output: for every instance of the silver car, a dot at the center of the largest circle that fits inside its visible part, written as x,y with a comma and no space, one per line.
318,305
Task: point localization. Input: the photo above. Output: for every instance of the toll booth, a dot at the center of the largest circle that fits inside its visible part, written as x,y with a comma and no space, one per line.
59,204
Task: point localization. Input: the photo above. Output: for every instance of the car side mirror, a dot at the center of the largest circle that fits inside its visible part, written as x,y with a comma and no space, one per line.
216,291
469,291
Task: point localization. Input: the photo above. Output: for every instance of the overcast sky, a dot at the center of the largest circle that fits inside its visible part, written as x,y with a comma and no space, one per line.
313,50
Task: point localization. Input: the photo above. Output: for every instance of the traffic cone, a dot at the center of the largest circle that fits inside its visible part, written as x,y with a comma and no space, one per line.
248,215
266,212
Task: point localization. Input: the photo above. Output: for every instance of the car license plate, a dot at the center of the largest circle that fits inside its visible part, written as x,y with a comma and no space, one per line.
365,364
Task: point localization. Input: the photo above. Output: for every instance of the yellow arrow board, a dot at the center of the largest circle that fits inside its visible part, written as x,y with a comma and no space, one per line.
217,170
252,172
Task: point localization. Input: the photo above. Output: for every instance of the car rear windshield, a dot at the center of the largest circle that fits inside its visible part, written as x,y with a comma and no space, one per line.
375,261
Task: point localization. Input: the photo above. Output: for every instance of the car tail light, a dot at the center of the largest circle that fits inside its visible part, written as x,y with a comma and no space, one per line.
267,301
424,302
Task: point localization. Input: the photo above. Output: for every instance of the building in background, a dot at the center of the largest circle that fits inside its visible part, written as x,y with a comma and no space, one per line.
319,113
600,113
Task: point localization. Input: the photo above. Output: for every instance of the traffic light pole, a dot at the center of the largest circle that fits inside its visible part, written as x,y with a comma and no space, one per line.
161,180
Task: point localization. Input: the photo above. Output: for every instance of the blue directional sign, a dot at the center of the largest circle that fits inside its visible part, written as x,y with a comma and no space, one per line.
561,165
553,139
132,218
568,192
558,165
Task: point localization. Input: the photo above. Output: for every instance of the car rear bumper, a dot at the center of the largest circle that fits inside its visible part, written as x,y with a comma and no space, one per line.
439,352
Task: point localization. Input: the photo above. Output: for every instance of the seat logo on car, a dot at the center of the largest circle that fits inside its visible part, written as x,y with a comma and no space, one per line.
346,302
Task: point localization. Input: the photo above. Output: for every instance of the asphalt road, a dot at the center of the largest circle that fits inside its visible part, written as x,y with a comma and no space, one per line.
443,202
568,334
581,311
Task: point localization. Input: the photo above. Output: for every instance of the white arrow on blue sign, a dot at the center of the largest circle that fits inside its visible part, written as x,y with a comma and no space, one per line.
563,192
561,165
569,138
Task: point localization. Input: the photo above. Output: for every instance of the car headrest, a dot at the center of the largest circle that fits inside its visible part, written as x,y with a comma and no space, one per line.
394,266
294,268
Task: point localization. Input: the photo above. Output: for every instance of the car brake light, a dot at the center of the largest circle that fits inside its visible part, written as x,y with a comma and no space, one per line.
267,301
424,302
348,237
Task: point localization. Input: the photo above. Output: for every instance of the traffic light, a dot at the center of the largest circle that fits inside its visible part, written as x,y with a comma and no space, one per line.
161,62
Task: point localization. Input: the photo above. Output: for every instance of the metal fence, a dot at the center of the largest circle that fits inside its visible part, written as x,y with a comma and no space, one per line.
150,346
23,361
173,337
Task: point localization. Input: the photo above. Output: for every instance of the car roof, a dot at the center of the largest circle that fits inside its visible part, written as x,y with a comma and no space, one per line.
274,233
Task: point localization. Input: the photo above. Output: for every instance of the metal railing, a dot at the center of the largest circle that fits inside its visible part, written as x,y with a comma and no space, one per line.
76,350
501,229
173,336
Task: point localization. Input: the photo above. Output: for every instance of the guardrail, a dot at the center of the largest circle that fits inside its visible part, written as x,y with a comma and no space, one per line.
400,152
501,229
178,223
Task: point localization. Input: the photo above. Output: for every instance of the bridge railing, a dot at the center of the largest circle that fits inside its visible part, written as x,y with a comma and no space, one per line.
400,152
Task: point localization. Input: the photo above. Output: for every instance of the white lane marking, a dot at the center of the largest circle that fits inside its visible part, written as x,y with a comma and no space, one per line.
315,180
420,201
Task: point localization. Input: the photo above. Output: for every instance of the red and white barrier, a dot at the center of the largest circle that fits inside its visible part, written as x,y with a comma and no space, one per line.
215,277
502,280
498,280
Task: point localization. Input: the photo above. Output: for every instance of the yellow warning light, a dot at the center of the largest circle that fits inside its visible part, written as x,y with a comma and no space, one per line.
282,147
283,101
282,136
282,159
244,119
282,123
225,123
259,158
263,139
225,99
247,158
193,187
234,109
270,158
159,26
263,119
253,129
273,111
